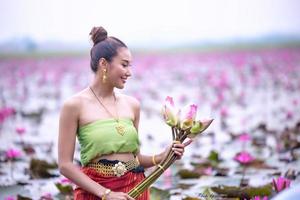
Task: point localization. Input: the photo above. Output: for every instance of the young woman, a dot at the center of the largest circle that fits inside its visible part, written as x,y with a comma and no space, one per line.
106,125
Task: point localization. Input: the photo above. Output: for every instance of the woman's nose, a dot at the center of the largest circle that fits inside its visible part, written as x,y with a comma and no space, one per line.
128,72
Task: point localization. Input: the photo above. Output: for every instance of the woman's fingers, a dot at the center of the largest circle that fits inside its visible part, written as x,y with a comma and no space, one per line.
126,196
129,197
119,196
179,145
179,153
178,148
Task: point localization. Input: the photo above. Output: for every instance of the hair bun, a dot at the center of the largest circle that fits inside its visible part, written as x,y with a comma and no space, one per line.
98,34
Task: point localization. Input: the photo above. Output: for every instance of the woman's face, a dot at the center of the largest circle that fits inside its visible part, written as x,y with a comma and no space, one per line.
120,68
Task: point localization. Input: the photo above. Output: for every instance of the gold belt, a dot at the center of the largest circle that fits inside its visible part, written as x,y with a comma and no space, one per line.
117,169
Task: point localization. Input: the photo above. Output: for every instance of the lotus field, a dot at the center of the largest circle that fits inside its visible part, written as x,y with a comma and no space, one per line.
251,150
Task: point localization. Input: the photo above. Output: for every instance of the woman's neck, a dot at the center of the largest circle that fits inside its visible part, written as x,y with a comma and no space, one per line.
102,90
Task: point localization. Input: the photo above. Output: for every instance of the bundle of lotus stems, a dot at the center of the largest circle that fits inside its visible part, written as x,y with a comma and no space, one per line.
183,126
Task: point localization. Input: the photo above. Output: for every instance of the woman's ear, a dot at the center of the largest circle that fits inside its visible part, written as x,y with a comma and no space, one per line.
102,63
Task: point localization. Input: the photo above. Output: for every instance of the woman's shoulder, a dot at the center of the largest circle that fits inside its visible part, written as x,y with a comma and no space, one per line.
132,101
76,100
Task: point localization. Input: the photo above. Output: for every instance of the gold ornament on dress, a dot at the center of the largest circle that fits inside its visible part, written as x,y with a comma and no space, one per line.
119,169
119,127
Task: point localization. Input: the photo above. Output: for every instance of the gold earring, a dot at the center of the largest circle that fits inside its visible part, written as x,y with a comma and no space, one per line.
104,77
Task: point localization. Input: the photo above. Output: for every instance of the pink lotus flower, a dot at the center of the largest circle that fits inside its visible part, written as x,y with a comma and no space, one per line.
224,112
281,183
208,171
295,102
2,118
188,118
9,198
244,137
20,130
12,154
5,113
259,198
46,196
170,112
182,99
244,158
65,181
289,114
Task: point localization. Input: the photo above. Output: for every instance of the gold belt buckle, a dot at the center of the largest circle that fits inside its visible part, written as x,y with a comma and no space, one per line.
119,169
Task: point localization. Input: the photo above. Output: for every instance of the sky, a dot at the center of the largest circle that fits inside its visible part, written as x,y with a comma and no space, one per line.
141,22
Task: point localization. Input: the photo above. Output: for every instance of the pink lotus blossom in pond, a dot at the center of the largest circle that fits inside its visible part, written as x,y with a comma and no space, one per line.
289,114
259,198
2,118
20,130
244,137
220,97
281,183
208,171
46,196
65,181
9,198
182,99
223,82
167,180
295,102
12,154
6,112
215,105
244,158
224,112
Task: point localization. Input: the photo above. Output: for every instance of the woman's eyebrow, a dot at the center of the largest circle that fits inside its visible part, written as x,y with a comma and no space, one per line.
125,60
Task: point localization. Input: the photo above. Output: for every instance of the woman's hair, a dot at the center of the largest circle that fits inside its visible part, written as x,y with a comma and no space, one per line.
104,46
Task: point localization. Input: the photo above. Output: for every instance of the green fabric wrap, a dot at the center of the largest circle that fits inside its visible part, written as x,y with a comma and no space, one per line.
101,137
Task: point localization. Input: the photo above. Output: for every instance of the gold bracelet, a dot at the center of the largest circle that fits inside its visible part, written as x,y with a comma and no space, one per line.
107,191
153,160
137,160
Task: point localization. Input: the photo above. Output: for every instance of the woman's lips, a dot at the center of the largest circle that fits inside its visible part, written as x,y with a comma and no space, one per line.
124,80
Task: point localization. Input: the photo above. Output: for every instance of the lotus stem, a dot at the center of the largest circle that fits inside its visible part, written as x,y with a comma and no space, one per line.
153,176
159,170
135,192
173,133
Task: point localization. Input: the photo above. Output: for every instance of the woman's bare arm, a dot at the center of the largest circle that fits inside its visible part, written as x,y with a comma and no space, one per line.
68,123
150,161
145,161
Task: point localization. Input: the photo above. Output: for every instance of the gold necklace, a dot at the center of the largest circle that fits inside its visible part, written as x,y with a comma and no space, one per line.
120,129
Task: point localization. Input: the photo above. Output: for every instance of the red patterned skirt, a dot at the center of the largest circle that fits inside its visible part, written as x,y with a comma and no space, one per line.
117,184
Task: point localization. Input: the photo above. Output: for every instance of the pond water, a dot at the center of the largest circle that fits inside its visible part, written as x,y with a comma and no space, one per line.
245,92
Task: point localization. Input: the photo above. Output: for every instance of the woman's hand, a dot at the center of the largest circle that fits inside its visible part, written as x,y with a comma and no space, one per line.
178,148
118,196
